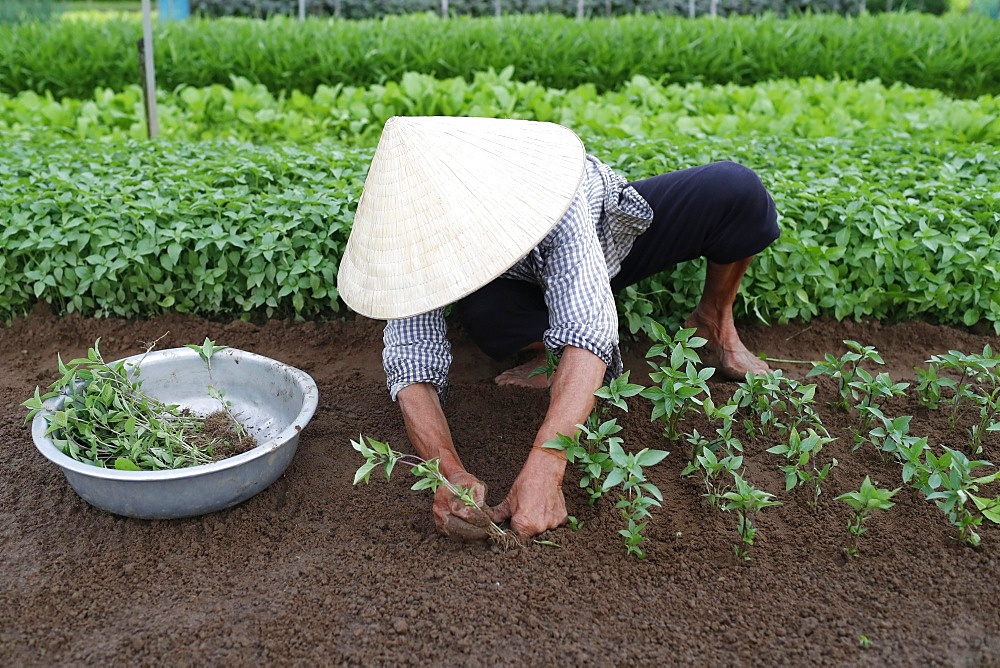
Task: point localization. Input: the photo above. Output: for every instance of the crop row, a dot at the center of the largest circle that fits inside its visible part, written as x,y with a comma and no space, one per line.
810,108
955,54
886,228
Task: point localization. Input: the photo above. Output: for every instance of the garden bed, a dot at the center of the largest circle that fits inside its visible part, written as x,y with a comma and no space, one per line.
314,570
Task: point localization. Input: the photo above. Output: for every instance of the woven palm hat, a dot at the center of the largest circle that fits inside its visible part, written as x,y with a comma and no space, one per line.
451,203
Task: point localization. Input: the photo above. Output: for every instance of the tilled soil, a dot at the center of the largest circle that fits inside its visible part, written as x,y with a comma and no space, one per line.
315,571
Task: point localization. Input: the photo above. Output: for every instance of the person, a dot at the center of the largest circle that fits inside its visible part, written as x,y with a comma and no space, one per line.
527,238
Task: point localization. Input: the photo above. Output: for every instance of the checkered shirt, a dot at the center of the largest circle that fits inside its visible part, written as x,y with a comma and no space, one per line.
573,264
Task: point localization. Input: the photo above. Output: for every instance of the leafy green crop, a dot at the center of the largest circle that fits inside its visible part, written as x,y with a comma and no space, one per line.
956,54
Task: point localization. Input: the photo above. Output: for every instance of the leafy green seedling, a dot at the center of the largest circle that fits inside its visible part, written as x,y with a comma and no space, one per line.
863,501
681,385
428,476
800,451
714,458
747,501
953,485
205,351
845,369
549,368
618,390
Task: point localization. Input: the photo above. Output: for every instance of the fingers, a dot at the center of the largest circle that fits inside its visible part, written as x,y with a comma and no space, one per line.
501,513
460,530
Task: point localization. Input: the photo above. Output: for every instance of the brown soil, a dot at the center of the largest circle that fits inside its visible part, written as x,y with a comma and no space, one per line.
316,571
226,435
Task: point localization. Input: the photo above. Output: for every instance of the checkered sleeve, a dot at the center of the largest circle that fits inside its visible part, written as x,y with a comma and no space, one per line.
578,292
416,350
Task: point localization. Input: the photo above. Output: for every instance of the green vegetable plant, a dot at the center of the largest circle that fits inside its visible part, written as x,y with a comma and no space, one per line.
952,486
771,401
847,370
205,352
428,476
863,502
107,420
748,502
870,393
800,451
715,460
681,387
964,382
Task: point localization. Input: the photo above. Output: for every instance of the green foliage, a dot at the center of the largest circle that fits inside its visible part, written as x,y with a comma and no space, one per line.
107,420
640,107
847,370
955,54
748,502
428,474
682,386
863,501
222,230
962,381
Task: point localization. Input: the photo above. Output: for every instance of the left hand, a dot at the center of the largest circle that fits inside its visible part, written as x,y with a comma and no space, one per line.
535,503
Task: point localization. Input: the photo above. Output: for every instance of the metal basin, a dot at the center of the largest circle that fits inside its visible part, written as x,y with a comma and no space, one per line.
273,401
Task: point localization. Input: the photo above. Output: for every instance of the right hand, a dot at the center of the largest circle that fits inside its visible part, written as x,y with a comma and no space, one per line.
454,518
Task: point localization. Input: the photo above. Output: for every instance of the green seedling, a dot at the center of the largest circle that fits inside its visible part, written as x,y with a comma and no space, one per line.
604,466
894,438
573,523
108,421
964,382
747,501
549,368
770,401
591,456
618,390
845,370
428,476
869,394
801,450
952,486
713,459
205,351
682,387
866,499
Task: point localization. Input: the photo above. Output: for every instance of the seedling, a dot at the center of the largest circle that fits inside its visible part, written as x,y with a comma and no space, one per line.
205,352
771,401
714,458
549,368
428,476
976,387
747,501
870,393
800,450
952,486
682,386
108,421
618,390
845,370
605,465
863,501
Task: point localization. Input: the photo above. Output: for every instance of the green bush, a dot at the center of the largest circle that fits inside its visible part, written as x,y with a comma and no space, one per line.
19,11
364,9
955,54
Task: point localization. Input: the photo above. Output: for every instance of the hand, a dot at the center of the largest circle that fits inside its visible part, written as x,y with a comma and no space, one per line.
535,503
454,518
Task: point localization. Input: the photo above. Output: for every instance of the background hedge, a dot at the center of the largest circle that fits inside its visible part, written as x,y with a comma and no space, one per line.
956,54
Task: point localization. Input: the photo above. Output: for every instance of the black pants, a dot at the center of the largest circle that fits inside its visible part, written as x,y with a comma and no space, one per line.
720,211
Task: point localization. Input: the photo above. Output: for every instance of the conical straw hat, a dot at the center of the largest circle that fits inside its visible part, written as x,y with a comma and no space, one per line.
451,203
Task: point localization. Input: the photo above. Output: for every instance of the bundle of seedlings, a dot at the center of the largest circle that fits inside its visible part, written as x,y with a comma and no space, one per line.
106,418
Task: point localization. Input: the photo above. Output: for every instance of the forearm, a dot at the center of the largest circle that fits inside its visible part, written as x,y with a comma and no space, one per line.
580,373
427,427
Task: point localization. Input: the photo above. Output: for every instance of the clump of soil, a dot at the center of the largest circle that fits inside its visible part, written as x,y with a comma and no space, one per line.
227,436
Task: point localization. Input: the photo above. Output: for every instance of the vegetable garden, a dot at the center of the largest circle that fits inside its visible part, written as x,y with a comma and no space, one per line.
841,510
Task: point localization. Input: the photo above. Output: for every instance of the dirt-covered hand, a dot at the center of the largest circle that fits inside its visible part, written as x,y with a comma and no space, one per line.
454,518
535,503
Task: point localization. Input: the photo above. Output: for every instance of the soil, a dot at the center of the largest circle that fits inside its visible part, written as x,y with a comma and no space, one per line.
227,436
314,570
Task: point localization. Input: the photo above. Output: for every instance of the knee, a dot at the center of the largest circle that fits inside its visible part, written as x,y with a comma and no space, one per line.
739,186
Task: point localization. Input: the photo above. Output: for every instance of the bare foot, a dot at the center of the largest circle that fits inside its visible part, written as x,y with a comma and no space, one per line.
724,350
520,376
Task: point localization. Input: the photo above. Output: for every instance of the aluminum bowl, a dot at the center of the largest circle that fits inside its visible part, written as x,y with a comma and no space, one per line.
272,400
